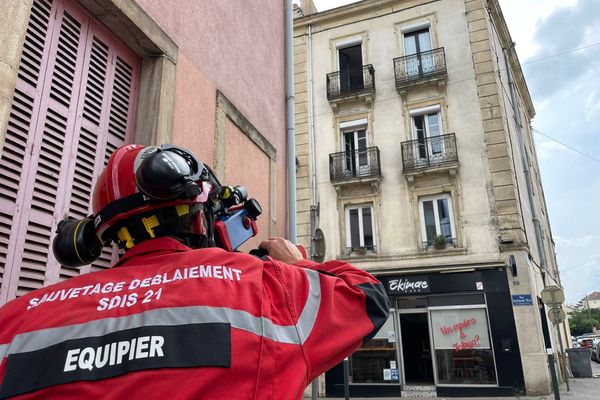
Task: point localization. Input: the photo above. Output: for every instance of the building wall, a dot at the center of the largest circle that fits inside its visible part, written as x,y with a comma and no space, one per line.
493,214
246,63
389,126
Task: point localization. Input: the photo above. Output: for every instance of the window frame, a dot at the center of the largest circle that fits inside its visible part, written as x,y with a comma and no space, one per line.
359,207
431,149
360,132
484,307
434,199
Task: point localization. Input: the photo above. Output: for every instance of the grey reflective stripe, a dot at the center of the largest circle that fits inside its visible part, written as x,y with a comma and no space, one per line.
311,308
292,334
3,350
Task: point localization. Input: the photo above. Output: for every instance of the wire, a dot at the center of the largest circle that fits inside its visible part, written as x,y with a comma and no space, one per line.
560,54
578,265
567,146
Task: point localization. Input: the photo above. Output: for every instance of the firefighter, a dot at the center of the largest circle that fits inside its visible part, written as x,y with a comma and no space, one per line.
176,317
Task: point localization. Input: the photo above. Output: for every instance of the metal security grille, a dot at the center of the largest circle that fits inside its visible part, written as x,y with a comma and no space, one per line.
74,103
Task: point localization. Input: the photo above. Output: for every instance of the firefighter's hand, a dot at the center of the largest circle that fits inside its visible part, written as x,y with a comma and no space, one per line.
282,250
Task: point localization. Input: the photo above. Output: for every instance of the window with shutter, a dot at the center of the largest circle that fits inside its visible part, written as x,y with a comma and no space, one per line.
74,104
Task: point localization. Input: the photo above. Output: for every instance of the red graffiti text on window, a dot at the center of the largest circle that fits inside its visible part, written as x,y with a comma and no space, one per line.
458,327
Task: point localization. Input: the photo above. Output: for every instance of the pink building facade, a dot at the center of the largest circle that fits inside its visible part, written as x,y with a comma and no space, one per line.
80,78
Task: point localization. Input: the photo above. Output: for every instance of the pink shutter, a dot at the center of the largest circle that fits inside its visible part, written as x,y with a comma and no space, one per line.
59,133
51,147
16,153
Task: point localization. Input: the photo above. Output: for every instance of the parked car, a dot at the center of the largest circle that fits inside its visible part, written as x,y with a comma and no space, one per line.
586,343
596,350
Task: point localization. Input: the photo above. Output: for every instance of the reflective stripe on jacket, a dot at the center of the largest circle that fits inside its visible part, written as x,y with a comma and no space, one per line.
171,322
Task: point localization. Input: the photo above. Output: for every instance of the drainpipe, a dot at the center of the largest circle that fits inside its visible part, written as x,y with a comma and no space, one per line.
313,175
291,133
525,161
314,224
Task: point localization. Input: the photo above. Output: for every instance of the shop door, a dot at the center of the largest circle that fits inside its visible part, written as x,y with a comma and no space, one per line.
416,348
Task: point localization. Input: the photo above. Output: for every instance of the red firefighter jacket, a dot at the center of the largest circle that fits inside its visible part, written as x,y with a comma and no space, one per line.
171,322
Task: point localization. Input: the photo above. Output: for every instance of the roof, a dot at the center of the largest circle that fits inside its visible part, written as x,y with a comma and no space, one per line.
592,296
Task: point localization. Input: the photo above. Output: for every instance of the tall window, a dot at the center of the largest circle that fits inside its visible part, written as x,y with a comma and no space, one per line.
427,129
418,43
356,156
360,235
437,220
350,64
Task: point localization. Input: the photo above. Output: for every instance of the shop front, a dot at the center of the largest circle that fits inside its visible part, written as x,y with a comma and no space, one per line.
448,334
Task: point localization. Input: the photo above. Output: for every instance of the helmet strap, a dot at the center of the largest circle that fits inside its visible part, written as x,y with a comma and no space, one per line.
158,223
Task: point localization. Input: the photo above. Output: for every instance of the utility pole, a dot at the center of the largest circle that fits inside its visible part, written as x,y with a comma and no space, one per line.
587,300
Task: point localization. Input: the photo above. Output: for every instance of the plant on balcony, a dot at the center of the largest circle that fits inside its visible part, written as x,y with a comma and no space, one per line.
440,242
361,251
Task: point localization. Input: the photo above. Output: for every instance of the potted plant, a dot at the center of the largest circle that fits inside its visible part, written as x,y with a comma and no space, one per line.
440,242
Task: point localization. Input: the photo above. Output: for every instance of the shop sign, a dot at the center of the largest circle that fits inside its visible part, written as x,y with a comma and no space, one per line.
522,300
408,284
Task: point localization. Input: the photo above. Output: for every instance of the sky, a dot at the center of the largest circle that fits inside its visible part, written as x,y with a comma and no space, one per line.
558,44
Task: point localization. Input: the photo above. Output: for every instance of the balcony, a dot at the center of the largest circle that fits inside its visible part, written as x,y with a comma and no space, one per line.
361,251
358,165
421,67
431,244
352,83
437,152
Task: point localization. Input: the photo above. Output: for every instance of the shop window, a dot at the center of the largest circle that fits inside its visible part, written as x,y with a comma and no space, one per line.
437,225
462,346
375,361
360,237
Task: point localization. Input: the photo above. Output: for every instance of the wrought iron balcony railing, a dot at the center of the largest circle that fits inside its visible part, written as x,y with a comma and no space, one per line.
352,81
415,68
357,164
450,242
429,152
361,251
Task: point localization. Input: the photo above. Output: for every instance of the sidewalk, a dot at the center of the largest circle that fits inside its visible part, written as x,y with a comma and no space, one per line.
581,389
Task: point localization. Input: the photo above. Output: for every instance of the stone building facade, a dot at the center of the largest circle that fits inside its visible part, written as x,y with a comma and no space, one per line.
416,162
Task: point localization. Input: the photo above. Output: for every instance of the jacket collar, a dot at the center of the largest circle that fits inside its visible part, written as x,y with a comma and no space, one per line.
162,244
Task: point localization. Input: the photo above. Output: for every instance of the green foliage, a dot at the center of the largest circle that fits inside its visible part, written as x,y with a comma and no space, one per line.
440,242
580,323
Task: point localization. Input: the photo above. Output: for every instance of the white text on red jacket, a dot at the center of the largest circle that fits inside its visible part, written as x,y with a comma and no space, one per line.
126,299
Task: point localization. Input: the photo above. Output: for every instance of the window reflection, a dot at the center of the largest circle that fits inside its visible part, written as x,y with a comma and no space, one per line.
375,361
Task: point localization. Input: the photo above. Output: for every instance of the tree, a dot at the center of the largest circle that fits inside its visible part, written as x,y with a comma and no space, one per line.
580,322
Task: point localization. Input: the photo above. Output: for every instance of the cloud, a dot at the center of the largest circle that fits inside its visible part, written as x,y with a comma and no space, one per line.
592,105
577,242
563,30
547,150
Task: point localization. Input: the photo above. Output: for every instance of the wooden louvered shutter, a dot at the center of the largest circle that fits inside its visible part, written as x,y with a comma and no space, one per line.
70,110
